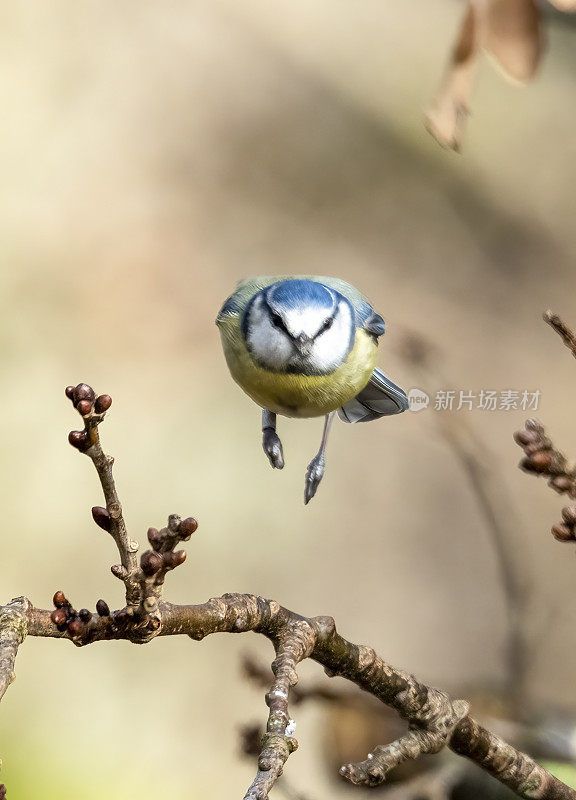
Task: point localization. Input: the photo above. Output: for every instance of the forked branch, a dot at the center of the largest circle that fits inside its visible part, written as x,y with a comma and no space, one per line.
435,720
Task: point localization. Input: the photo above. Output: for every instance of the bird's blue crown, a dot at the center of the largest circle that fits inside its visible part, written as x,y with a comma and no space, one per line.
298,292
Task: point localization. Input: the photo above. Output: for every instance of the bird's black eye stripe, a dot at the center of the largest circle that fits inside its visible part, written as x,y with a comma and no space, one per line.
277,320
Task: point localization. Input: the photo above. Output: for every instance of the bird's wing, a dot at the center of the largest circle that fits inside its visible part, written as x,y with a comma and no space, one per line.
374,324
379,398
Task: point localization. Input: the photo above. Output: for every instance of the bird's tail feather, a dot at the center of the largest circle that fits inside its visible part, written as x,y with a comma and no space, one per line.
379,398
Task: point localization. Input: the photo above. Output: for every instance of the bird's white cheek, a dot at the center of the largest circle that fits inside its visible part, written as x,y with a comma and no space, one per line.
269,345
331,347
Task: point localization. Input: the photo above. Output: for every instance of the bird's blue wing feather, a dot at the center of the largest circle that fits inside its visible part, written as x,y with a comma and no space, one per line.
379,398
368,319
375,325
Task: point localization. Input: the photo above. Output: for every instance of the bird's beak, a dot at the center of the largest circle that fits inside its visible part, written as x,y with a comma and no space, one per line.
303,344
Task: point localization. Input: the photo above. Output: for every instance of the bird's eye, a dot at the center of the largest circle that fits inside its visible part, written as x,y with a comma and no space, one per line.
327,325
277,320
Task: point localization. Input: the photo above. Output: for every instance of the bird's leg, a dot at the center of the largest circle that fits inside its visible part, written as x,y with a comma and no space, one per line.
270,439
316,467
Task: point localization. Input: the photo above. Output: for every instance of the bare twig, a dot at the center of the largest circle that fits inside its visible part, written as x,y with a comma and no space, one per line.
568,336
432,723
93,409
294,644
542,458
435,720
250,738
155,563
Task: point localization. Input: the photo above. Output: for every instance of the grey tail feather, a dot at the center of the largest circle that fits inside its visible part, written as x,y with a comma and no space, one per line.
379,398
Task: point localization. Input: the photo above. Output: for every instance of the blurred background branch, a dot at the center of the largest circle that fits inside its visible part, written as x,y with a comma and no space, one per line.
501,522
435,721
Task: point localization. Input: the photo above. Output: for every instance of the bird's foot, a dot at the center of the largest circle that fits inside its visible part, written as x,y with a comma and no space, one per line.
273,448
314,475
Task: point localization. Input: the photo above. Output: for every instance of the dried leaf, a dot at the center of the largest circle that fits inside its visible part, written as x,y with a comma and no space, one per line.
564,5
513,36
448,114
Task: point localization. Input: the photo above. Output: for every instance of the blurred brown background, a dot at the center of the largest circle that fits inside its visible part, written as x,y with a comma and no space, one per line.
153,154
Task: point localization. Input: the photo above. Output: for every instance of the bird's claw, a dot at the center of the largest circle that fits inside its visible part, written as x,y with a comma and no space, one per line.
273,448
314,475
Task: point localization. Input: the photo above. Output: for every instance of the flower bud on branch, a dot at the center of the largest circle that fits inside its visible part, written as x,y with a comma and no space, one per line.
92,409
435,721
542,458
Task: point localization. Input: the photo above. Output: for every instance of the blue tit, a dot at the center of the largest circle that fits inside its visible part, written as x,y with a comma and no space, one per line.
305,346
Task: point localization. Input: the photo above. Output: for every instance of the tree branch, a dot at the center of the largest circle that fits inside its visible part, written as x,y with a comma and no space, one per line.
13,627
294,644
93,409
567,335
435,720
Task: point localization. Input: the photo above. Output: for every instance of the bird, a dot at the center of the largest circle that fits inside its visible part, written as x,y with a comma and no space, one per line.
305,346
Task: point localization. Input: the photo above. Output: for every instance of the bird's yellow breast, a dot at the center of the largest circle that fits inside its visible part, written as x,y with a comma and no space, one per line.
295,395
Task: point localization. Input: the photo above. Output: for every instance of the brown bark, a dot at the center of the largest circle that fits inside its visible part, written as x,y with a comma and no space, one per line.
435,720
